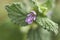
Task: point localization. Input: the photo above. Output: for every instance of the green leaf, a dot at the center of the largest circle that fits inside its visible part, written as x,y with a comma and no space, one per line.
47,24
42,8
49,4
17,13
34,34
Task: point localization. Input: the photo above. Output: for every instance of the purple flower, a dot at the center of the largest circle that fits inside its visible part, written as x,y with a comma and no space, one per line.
31,17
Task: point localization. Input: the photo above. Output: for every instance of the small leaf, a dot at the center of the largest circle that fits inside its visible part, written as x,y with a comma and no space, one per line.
47,24
17,13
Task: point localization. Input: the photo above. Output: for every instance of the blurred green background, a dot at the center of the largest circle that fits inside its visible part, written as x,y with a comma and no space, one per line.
10,31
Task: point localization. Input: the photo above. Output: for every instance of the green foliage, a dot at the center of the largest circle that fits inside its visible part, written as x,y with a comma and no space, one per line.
18,12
